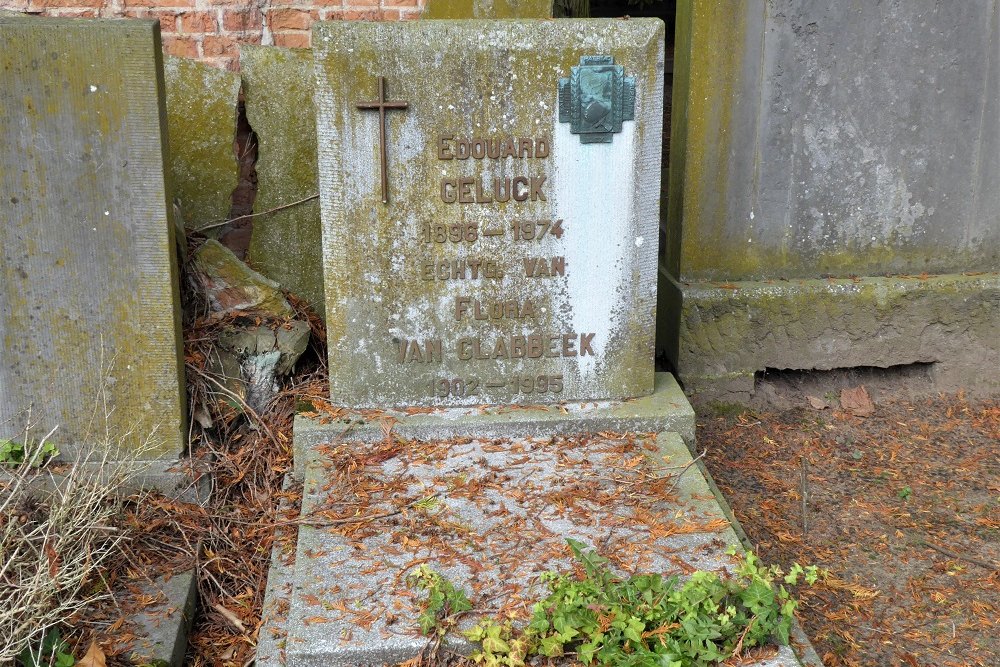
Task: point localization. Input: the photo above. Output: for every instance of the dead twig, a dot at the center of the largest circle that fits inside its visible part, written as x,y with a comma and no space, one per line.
677,479
222,223
305,521
993,567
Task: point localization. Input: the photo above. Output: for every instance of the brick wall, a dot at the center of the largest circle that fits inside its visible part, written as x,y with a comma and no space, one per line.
211,30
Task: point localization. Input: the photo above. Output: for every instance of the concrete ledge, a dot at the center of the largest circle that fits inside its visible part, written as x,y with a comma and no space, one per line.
718,335
164,625
666,409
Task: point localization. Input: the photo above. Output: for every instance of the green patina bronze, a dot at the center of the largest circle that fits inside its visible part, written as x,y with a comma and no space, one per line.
595,98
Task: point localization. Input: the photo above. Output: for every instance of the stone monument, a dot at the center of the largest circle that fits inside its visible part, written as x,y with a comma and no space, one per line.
489,214
89,307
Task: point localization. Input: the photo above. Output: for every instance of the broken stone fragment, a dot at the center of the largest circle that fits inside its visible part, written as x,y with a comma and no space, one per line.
265,354
232,286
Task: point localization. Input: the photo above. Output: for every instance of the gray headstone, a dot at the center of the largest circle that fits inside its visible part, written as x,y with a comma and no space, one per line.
834,138
88,276
523,274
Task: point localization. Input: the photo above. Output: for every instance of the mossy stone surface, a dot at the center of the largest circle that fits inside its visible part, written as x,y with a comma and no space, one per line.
492,80
286,245
201,123
728,332
833,139
89,321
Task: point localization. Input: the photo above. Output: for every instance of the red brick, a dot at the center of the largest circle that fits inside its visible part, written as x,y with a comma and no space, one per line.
242,21
290,19
293,40
399,3
168,21
410,15
214,45
351,4
157,3
65,4
331,14
390,14
229,63
198,22
328,3
366,15
185,47
73,13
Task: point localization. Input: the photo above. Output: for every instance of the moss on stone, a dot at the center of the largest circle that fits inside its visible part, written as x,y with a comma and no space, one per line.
729,332
286,246
201,127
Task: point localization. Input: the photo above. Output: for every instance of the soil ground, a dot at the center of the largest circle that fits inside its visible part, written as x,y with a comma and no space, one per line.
902,507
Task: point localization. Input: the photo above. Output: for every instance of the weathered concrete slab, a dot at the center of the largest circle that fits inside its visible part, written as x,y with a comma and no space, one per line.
165,623
727,333
287,245
437,297
487,9
666,409
816,138
201,123
498,516
88,275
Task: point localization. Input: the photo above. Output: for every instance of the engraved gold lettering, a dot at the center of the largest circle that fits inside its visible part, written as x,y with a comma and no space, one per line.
552,348
447,196
482,197
534,346
542,147
522,196
508,149
569,341
524,147
465,190
444,153
518,345
412,351
478,148
536,188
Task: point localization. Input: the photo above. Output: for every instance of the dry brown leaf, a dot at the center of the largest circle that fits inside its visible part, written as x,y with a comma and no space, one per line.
857,401
93,658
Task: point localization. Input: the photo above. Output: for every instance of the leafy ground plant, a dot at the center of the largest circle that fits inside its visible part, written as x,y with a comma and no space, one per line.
645,619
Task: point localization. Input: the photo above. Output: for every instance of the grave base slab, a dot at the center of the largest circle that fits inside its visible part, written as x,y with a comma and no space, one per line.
720,334
666,409
490,514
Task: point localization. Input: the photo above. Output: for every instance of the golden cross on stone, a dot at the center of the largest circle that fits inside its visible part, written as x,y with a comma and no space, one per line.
382,104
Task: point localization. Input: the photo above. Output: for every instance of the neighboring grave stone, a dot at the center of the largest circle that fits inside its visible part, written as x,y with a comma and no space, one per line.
286,244
490,234
88,275
201,123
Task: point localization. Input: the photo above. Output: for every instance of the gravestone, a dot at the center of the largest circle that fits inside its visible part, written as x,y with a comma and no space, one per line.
89,317
489,194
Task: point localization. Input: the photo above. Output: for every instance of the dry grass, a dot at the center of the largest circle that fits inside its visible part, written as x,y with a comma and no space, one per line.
56,531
